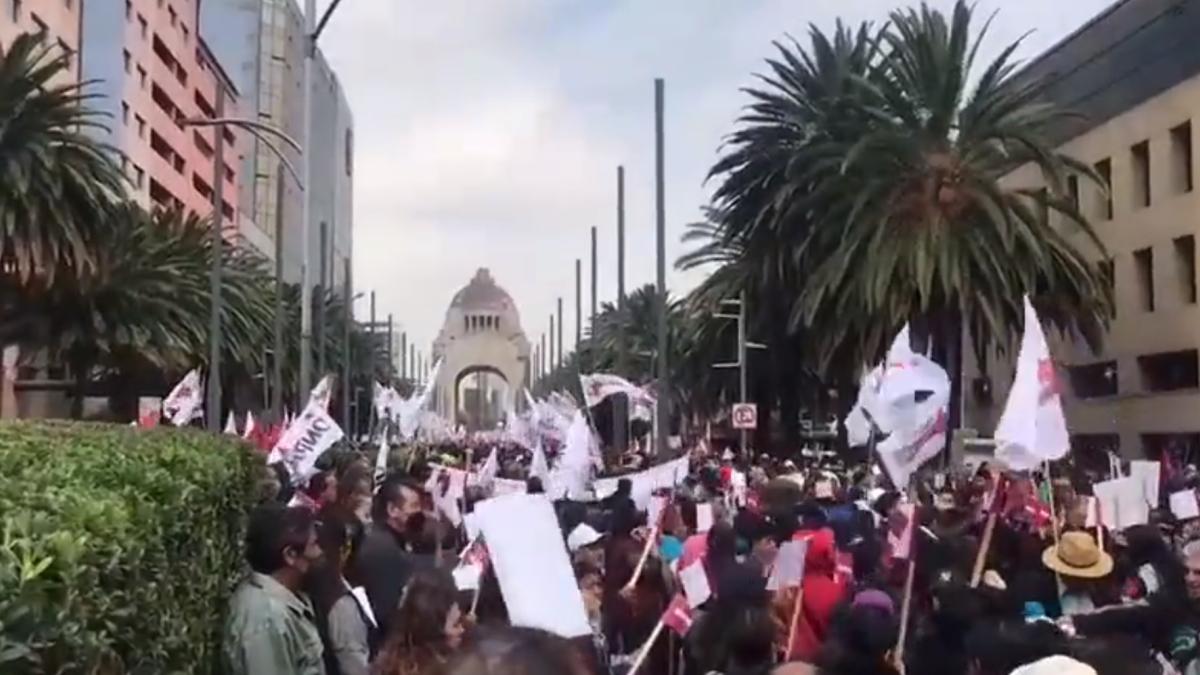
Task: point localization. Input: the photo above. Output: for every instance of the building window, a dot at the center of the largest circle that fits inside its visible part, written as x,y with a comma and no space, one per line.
143,26
124,113
1108,272
1143,260
1185,266
139,179
1139,157
1181,157
186,35
1169,371
141,126
128,10
1073,190
1104,197
172,18
1094,380
16,10
141,77
128,62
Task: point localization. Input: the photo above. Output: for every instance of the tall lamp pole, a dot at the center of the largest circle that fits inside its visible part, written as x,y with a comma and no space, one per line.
312,32
663,416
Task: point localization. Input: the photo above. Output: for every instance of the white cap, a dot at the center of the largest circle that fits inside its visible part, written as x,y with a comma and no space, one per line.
1055,665
583,535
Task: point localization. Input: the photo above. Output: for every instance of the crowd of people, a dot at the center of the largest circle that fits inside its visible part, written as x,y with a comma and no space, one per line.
964,571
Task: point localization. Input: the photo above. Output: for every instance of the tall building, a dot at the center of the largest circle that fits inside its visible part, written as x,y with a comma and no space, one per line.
263,45
59,21
154,73
1133,73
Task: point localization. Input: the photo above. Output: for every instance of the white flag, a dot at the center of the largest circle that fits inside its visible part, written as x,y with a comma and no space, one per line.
380,400
1032,428
858,425
599,386
916,429
309,436
231,424
185,401
322,392
381,459
490,469
539,467
249,430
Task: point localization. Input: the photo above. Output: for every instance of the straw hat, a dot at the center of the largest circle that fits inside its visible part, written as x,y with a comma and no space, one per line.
1077,555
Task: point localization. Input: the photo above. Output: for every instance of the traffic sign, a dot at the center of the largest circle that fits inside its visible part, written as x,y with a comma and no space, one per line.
745,416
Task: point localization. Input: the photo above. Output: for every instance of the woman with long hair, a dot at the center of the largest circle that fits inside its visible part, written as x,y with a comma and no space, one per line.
425,628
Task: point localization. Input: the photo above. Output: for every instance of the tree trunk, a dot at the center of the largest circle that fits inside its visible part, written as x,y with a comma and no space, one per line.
81,372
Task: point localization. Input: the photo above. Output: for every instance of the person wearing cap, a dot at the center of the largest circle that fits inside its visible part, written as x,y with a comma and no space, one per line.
586,545
1055,665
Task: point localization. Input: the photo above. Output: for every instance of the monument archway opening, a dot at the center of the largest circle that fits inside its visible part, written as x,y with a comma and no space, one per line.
484,353
480,396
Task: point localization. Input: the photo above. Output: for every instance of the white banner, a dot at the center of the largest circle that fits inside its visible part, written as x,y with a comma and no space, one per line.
644,483
321,393
1032,428
185,402
309,436
599,386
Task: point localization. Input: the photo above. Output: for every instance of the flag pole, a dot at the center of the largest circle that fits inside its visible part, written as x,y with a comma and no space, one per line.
644,652
986,542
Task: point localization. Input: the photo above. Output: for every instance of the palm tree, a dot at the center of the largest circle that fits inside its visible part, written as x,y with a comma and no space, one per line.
57,183
872,157
147,301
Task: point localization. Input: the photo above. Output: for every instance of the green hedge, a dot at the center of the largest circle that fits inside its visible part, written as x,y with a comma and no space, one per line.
119,547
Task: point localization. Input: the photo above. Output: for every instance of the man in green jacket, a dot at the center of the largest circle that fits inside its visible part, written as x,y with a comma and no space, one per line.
271,628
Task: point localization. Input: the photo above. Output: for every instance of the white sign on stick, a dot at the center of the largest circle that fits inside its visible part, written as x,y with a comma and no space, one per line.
788,570
532,565
1147,473
704,517
1184,505
695,584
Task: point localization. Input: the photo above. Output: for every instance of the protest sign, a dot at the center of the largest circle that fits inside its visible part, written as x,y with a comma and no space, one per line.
1032,428
1184,505
532,565
694,579
788,570
1148,474
149,411
645,483
185,401
704,517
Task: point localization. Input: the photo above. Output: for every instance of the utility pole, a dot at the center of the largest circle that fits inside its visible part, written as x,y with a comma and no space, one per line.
578,303
412,362
620,403
542,358
403,349
550,365
663,417
348,319
372,332
391,352
306,318
743,347
561,360
213,406
277,342
320,318
592,323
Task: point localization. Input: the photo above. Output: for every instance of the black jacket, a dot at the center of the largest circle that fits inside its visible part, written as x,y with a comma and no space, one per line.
382,567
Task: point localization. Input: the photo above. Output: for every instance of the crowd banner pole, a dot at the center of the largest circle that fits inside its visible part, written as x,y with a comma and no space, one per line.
475,597
791,639
905,611
1053,520
986,542
906,603
637,571
644,652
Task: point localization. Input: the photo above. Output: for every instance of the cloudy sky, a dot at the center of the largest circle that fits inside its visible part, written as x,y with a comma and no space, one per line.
489,131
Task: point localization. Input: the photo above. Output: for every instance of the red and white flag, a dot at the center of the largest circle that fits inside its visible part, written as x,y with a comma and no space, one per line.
308,437
185,401
231,424
599,386
678,616
1032,428
321,393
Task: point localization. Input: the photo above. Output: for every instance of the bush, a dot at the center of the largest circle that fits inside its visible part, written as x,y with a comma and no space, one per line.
119,547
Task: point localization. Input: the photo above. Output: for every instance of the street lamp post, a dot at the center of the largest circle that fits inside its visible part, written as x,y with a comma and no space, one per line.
662,419
312,32
257,129
740,364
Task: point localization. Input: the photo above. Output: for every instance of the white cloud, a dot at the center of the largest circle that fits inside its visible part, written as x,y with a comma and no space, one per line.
489,132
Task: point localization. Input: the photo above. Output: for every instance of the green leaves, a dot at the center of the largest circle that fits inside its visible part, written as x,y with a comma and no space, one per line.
118,547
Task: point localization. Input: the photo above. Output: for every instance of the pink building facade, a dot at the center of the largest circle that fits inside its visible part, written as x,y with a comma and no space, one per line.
59,21
155,74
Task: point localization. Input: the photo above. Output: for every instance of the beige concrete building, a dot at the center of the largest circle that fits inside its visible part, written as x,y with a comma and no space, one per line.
1133,73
